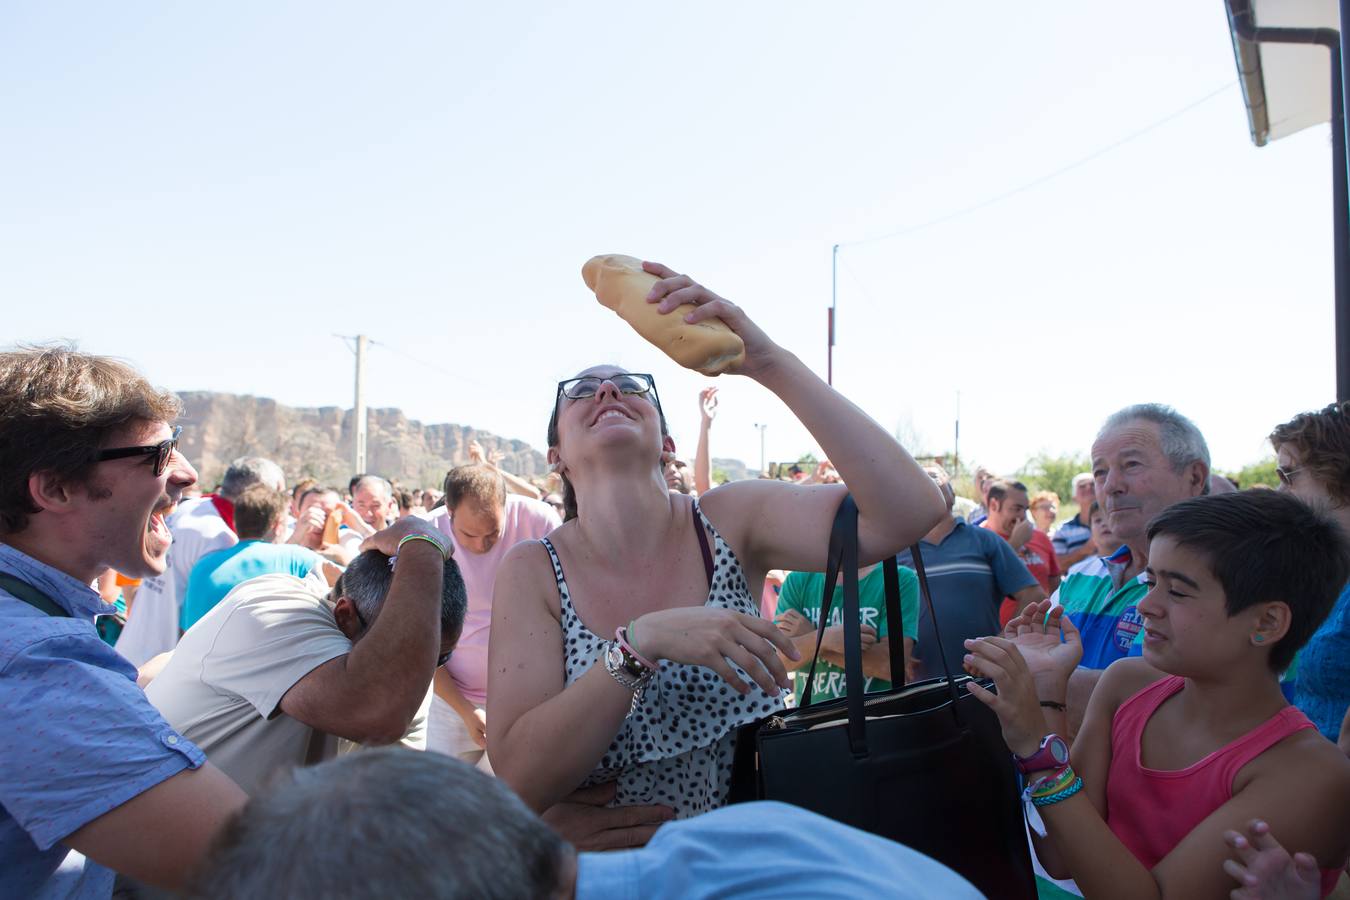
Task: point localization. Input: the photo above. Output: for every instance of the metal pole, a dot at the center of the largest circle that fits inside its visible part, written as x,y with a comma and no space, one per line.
1338,46
359,412
763,462
834,296
956,447
1340,210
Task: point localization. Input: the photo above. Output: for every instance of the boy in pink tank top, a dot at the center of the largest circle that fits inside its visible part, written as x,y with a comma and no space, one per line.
1195,739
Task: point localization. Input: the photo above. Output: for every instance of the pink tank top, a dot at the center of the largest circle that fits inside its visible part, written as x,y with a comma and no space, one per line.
1151,810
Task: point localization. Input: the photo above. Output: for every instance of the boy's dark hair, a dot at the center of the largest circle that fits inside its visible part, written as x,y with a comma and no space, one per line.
1265,546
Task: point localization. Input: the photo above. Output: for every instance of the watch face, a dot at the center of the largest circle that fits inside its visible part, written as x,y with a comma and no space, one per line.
1058,749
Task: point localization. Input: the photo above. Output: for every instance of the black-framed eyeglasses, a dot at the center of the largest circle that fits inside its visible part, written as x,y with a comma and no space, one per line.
1286,476
163,452
440,660
587,386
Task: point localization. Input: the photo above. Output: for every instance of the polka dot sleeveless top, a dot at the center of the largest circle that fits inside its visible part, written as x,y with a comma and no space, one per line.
676,747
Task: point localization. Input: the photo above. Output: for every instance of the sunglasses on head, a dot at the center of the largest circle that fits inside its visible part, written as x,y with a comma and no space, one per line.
162,452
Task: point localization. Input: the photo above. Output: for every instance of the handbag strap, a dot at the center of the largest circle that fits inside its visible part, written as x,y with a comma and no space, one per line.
24,591
843,558
831,575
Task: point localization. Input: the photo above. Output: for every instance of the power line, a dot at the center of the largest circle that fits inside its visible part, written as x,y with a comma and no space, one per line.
1037,182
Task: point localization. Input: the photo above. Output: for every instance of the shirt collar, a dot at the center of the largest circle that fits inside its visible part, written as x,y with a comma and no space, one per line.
71,594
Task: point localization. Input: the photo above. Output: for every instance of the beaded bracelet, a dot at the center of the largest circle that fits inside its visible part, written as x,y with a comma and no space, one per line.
421,537
1057,796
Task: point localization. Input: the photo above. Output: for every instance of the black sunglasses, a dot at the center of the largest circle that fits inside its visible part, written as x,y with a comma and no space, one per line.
162,452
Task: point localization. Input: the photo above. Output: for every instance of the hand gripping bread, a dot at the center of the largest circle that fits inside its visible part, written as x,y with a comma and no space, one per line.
620,283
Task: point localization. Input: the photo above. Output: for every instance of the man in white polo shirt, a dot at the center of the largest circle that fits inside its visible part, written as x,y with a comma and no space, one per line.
283,668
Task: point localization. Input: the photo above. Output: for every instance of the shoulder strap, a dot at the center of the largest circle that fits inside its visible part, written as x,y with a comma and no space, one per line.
32,596
703,542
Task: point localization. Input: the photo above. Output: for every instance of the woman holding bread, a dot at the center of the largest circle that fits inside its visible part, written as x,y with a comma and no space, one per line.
627,646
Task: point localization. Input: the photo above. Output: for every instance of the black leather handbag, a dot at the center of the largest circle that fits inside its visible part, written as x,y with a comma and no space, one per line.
922,764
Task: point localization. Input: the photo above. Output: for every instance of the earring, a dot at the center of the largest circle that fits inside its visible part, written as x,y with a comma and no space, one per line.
1259,638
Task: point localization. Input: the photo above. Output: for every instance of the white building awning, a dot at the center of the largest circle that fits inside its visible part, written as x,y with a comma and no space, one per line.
1287,87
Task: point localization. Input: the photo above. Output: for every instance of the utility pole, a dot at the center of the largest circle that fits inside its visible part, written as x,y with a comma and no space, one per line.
763,464
834,296
956,447
359,413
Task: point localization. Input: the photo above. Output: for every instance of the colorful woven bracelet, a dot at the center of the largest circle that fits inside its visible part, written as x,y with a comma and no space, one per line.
1057,796
421,537
1049,784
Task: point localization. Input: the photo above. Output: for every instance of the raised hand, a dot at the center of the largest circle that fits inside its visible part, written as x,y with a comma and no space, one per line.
675,290
1048,642
715,638
707,404
1016,703
386,540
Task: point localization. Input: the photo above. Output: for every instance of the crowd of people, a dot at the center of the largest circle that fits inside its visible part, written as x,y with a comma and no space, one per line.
505,687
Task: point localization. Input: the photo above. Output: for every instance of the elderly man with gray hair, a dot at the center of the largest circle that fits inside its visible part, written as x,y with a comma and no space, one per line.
1145,458
438,828
286,671
198,526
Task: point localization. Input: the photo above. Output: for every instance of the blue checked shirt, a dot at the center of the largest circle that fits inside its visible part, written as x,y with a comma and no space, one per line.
78,737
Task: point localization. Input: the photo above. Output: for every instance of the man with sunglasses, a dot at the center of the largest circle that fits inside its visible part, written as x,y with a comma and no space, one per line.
284,671
93,780
199,526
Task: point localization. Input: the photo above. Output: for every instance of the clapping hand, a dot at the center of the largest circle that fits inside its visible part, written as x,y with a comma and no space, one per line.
1048,642
1266,870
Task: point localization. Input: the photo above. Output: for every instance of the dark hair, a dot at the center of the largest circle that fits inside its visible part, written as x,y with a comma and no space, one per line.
57,407
1265,546
1322,440
478,482
366,583
1001,488
257,510
568,493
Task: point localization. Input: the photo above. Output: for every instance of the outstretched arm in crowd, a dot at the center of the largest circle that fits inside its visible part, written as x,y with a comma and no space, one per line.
897,502
1078,843
162,835
514,483
707,408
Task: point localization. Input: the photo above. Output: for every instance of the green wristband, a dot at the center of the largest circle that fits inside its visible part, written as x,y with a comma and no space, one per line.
421,537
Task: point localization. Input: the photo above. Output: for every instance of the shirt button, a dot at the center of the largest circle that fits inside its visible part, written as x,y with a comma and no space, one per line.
172,739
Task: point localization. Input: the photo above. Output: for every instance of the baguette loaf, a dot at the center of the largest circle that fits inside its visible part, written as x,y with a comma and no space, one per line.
620,283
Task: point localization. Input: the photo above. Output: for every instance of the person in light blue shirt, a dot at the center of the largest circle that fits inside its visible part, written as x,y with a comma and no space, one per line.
471,837
92,778
259,515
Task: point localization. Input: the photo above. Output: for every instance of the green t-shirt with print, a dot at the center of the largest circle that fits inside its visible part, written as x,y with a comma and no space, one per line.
802,591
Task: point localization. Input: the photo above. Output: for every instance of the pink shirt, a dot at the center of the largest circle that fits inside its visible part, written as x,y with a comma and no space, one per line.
1151,810
525,520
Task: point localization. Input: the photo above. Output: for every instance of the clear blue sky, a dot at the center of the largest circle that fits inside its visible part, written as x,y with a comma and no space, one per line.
213,190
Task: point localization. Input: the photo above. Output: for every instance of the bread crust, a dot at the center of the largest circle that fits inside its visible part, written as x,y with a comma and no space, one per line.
621,284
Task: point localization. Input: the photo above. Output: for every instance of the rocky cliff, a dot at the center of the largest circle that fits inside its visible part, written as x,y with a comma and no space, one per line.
318,442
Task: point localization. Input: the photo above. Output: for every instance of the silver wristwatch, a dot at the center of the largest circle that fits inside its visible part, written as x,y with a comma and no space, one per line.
625,668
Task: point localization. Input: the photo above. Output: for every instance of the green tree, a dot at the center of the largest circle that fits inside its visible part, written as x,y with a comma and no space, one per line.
807,459
1044,472
1257,473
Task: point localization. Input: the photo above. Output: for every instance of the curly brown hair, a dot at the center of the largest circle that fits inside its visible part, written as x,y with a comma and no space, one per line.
1322,441
57,407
